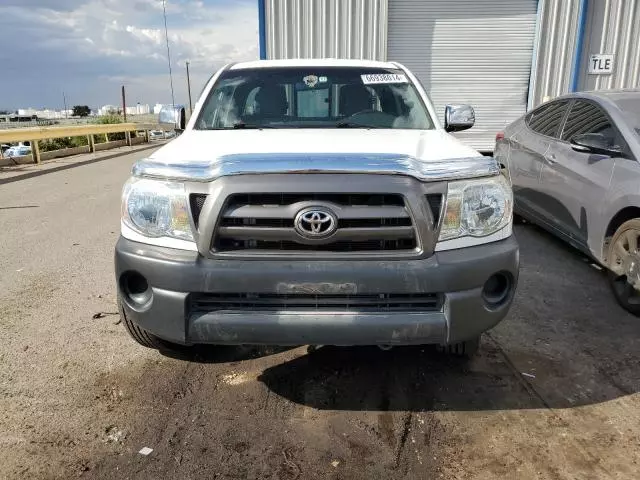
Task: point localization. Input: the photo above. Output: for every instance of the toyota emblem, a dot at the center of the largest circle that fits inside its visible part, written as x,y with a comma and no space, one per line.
316,222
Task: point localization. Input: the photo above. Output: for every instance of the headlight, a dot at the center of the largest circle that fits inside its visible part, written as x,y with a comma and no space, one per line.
156,209
477,208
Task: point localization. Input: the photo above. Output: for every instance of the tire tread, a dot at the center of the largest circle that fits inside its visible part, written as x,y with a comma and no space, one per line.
139,334
634,309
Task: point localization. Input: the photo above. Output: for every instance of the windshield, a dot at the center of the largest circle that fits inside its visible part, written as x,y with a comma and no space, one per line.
328,97
631,109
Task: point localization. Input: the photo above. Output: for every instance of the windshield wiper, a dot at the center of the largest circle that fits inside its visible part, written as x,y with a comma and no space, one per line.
354,125
239,125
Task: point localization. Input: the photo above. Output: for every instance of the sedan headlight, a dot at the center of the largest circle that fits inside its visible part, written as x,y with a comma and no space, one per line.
156,209
477,208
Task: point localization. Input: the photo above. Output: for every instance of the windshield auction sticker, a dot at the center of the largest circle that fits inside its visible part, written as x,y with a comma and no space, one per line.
375,78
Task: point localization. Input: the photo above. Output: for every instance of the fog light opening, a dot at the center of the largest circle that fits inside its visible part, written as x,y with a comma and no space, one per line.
497,289
136,288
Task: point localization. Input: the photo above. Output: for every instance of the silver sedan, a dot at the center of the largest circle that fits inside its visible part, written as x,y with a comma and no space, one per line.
573,164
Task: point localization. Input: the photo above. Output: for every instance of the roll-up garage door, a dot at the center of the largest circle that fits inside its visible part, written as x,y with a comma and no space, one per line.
468,51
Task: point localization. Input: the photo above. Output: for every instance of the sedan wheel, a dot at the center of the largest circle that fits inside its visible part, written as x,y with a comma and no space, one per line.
624,265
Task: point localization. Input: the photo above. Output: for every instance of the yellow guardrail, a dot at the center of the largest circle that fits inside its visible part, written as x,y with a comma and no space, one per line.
33,135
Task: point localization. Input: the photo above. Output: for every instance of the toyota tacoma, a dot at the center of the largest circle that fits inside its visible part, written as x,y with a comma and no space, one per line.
316,202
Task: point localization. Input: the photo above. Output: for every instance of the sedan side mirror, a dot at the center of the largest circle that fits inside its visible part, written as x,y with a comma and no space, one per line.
458,117
595,143
173,117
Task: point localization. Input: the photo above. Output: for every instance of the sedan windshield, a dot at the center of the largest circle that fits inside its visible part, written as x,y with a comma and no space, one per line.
327,97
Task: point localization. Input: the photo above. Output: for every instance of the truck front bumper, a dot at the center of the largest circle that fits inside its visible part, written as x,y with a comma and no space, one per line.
474,287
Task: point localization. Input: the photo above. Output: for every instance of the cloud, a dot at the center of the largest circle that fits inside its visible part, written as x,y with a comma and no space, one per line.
58,5
88,48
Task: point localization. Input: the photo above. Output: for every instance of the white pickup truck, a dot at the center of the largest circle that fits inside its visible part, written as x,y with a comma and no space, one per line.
316,202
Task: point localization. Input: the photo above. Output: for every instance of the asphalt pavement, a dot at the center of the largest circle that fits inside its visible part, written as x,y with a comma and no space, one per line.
553,393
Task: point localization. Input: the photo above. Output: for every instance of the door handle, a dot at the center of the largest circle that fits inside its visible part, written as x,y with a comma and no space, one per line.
551,158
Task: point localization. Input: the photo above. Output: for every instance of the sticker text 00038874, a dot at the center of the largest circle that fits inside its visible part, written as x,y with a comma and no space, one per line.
374,78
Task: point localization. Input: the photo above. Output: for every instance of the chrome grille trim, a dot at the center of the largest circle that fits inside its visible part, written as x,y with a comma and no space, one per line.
342,234
259,226
270,211
384,192
357,163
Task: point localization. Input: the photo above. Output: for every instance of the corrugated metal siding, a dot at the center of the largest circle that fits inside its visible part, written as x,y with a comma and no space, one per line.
326,28
556,49
613,28
468,51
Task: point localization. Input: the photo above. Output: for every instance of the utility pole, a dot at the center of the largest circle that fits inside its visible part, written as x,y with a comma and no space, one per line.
166,34
124,105
189,90
64,100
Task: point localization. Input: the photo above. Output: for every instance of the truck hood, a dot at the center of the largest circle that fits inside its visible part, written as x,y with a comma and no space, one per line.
203,156
200,146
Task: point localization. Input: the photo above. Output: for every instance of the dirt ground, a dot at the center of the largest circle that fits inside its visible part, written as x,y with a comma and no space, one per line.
552,395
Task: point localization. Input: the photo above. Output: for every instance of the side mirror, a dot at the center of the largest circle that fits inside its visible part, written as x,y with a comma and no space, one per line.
175,118
458,117
595,143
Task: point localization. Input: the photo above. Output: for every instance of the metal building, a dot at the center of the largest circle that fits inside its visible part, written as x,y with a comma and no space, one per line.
501,56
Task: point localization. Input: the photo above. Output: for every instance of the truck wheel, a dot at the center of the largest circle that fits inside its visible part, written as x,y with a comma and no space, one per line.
466,349
624,266
140,335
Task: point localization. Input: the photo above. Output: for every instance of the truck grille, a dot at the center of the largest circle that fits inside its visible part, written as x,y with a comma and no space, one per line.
196,200
435,205
266,222
388,302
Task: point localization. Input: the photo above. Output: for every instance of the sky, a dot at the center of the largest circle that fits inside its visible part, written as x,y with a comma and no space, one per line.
88,49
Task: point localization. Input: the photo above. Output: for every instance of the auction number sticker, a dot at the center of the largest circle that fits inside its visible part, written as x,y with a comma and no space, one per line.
375,78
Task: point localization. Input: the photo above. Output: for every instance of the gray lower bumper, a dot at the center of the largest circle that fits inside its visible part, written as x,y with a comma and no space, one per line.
457,274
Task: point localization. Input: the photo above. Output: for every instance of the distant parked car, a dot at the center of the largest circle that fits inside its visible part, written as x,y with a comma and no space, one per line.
573,164
156,134
161,135
18,151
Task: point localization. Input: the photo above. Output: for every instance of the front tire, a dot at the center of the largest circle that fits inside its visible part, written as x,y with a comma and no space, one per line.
143,337
623,260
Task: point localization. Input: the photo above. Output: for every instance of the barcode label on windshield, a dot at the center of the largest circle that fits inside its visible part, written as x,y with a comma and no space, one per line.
373,78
